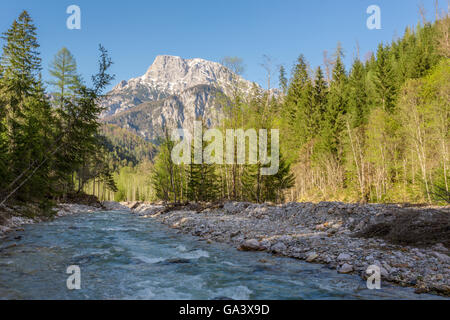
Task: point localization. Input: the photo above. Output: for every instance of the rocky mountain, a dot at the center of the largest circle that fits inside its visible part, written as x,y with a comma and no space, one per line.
173,92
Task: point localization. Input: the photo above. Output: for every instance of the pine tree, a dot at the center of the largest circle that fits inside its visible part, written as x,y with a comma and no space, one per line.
202,180
3,138
85,139
297,105
276,185
21,66
337,105
358,104
63,69
385,79
320,95
65,83
27,117
283,80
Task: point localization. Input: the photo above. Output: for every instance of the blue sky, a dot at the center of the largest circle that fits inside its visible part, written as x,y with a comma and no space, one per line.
136,31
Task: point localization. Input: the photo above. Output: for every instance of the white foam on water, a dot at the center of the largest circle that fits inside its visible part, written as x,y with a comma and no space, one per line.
120,229
148,259
195,254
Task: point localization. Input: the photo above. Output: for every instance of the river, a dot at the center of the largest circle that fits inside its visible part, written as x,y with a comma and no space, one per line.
123,256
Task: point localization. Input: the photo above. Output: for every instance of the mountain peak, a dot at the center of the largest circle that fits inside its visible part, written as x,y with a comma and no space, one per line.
179,71
168,76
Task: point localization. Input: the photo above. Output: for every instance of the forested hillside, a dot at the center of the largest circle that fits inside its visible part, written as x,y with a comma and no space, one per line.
126,148
375,132
378,132
131,158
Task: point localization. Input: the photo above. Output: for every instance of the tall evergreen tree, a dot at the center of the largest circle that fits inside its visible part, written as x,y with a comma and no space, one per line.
358,104
65,84
297,105
283,80
337,105
27,113
65,81
385,79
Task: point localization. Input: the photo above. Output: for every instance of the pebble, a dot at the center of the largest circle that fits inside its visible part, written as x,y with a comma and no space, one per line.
345,268
344,257
311,257
279,247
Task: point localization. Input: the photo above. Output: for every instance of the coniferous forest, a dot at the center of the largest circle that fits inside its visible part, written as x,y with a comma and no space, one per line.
49,132
375,131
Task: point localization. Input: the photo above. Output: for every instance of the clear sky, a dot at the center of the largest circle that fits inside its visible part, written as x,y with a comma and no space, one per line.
135,31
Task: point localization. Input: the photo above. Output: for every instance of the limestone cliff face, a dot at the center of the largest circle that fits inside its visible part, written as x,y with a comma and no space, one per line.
177,111
173,92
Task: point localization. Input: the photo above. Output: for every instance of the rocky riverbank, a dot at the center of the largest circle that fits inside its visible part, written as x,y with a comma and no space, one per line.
409,244
13,217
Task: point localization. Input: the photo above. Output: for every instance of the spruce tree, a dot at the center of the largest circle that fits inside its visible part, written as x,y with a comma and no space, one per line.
27,117
297,105
283,80
385,79
358,104
337,105
320,95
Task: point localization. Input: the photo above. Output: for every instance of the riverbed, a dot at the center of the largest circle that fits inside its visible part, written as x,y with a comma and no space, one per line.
124,256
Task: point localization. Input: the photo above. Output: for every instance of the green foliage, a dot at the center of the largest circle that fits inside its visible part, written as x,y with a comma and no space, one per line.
166,175
63,69
27,117
44,146
383,132
126,148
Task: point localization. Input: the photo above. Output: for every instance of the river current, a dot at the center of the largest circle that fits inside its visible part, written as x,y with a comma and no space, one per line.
123,256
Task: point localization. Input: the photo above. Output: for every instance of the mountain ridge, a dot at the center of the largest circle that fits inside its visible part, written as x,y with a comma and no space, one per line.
168,75
173,92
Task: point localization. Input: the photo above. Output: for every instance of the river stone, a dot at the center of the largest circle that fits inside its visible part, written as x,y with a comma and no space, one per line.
251,245
285,238
311,257
345,268
443,257
177,261
265,244
279,247
344,257
384,272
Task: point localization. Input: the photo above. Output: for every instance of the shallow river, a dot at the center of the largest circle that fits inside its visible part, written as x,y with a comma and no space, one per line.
122,256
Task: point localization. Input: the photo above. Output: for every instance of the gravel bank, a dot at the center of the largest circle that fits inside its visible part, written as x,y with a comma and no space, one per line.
410,245
12,218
